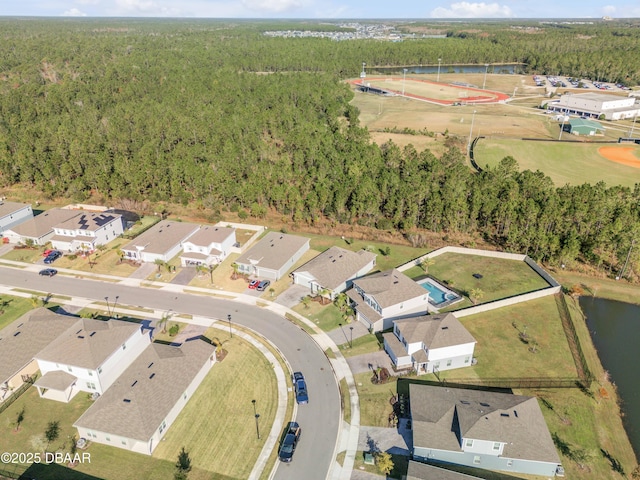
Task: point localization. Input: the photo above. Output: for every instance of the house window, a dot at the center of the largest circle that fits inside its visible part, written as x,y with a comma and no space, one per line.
437,365
496,446
163,425
69,369
510,463
124,346
107,438
466,360
99,370
468,442
448,363
476,460
124,442
91,385
184,395
90,373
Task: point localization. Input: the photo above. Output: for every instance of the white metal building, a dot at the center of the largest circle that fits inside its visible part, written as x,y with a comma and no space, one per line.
613,107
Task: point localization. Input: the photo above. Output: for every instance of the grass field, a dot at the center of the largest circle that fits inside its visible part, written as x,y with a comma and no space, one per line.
216,427
565,163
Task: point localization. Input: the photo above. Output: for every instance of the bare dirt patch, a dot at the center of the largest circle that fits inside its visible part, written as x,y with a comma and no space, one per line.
623,155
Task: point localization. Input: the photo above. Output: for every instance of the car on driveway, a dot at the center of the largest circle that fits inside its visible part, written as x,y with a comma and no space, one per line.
262,286
288,446
53,256
48,272
254,283
47,252
302,397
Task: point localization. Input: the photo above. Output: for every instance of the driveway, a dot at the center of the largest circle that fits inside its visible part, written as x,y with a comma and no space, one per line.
368,361
292,295
393,440
144,270
184,276
345,334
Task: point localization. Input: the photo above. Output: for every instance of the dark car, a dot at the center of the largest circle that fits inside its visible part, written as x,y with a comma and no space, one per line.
300,385
52,257
262,286
288,446
254,283
48,272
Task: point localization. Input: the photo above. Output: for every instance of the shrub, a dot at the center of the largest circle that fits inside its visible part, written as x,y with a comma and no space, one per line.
173,331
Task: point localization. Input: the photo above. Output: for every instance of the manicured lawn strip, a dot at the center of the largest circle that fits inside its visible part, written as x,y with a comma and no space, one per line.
501,278
27,255
374,400
106,262
572,163
501,353
327,317
365,344
346,400
400,465
14,308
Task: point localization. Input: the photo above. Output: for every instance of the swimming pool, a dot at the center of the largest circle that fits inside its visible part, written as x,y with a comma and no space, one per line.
439,295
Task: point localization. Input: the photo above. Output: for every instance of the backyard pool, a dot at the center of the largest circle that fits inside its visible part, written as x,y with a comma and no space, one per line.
439,295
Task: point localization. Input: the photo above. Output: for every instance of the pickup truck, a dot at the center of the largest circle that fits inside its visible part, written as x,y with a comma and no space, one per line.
289,442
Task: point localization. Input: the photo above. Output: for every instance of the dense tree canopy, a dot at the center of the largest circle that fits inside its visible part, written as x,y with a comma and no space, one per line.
214,113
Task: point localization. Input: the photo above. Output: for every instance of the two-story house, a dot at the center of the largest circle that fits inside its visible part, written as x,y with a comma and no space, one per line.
87,231
429,343
273,255
210,245
333,270
88,357
163,241
494,431
385,296
40,229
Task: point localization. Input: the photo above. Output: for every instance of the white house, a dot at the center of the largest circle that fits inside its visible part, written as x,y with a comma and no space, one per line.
135,413
273,255
333,270
13,213
163,241
429,343
494,431
87,231
88,357
386,296
22,340
39,229
209,245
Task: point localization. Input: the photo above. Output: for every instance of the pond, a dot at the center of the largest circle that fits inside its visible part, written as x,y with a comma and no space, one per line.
615,331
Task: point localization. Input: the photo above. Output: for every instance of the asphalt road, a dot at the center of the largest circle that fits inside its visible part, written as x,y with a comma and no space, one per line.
319,419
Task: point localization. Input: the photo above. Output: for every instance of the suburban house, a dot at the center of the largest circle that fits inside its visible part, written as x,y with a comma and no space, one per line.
39,229
208,246
386,296
333,270
423,471
135,413
163,241
494,431
273,255
429,343
13,213
22,340
87,231
88,357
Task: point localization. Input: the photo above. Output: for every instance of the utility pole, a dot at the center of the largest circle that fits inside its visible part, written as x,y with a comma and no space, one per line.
470,133
439,61
404,77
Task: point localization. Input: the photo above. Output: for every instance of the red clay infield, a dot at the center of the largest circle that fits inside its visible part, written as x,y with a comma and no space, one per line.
623,155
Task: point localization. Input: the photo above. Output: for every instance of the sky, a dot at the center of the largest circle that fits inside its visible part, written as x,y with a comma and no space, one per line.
325,9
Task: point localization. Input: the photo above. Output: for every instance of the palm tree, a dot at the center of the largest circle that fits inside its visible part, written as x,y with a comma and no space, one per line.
164,320
235,267
322,293
159,262
306,300
201,268
426,263
475,295
120,254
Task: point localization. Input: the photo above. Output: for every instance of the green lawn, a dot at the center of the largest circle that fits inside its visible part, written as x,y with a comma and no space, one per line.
374,400
565,163
501,278
327,317
217,426
13,308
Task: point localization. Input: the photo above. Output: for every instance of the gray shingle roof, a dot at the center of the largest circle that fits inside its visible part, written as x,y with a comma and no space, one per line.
435,331
21,340
209,234
336,265
56,380
422,471
390,287
7,208
88,342
162,237
89,221
439,414
140,399
273,251
42,224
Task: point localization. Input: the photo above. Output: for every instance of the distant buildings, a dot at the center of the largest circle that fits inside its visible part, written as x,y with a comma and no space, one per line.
595,105
13,213
273,255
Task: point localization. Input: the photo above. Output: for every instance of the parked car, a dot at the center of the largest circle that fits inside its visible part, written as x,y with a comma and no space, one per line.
288,446
48,272
53,256
262,286
47,252
300,385
254,283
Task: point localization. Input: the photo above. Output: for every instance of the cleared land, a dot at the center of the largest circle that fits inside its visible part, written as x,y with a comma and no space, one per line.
216,427
565,163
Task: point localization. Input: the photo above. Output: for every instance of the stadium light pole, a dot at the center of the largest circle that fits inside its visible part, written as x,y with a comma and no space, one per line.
486,69
439,61
404,77
633,124
470,133
363,73
564,117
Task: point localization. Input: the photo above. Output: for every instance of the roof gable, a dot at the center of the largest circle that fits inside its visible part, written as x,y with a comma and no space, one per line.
390,287
336,265
435,331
